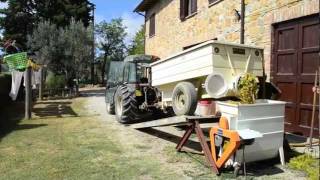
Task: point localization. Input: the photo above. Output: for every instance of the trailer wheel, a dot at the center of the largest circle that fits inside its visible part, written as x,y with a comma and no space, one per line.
184,99
126,107
110,108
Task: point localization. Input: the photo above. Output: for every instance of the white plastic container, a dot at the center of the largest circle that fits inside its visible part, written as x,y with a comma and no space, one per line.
223,61
206,108
266,117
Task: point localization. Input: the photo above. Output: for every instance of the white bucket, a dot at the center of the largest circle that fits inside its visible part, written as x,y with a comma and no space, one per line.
206,108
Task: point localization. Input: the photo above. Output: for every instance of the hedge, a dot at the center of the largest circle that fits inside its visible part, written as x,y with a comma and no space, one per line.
5,86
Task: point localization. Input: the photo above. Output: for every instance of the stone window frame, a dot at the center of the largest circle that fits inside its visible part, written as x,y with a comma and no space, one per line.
213,2
152,25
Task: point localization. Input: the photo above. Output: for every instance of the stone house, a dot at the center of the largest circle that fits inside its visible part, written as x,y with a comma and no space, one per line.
288,30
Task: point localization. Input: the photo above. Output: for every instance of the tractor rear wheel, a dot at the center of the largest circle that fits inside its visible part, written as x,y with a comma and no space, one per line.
184,99
126,105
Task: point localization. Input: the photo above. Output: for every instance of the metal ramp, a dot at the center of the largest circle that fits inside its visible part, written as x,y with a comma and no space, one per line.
205,121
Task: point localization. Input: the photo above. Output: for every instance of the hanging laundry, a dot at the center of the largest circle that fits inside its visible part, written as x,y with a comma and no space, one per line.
35,79
37,76
15,85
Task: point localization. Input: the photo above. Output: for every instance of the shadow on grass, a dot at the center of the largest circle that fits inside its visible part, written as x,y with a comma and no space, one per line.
92,93
10,117
28,126
13,114
54,109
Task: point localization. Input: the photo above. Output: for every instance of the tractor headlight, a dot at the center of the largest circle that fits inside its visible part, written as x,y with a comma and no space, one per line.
138,93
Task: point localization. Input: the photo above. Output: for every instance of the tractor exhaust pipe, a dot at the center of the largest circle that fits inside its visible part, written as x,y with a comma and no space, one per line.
242,21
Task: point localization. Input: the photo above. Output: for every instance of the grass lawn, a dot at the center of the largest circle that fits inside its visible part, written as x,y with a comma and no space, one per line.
307,164
70,146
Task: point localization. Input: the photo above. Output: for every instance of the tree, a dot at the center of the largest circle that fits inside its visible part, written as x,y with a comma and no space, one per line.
64,50
18,21
45,42
21,16
78,46
137,46
111,41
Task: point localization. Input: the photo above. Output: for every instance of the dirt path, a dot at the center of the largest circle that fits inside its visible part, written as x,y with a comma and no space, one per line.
160,142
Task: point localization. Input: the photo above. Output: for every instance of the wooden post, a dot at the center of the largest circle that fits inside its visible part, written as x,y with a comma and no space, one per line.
41,85
319,100
264,76
28,95
314,104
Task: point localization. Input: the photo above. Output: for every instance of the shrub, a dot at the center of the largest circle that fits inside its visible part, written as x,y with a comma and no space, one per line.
55,81
5,86
5,83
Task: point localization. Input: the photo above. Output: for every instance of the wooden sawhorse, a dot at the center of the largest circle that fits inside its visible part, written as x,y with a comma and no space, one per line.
194,126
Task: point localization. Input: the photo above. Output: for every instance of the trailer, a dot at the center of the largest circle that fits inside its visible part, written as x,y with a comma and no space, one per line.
208,70
145,86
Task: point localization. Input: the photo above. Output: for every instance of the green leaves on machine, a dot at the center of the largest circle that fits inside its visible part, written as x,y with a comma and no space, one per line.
248,89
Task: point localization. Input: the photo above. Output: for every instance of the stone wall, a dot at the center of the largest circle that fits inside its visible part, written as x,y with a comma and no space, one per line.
218,21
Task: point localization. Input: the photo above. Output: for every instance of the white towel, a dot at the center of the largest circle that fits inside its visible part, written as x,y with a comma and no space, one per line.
37,76
15,85
34,80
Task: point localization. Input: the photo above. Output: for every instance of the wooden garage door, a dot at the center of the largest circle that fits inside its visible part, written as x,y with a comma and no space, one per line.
294,63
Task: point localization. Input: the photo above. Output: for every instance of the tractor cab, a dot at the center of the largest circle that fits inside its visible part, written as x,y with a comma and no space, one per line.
132,76
132,70
137,68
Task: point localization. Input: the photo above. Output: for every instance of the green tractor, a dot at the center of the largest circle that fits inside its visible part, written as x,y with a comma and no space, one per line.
129,94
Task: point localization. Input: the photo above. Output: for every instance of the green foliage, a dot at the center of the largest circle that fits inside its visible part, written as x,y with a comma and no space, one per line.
55,81
64,50
21,16
307,164
111,37
45,42
17,21
138,45
78,46
248,89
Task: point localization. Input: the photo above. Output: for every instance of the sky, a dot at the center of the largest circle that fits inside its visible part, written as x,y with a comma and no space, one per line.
109,9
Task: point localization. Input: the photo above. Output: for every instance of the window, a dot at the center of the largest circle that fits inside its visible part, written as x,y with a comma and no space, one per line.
187,8
152,25
129,73
115,72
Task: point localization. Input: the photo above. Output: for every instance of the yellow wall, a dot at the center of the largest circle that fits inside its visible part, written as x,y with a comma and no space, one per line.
219,21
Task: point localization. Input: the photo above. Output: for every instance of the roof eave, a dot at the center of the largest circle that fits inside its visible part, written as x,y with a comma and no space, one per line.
145,5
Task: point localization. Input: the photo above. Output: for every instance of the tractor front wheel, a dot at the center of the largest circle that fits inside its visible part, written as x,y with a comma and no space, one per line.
126,106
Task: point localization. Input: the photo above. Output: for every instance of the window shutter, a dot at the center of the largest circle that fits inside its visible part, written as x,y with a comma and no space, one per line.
152,25
182,9
194,5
